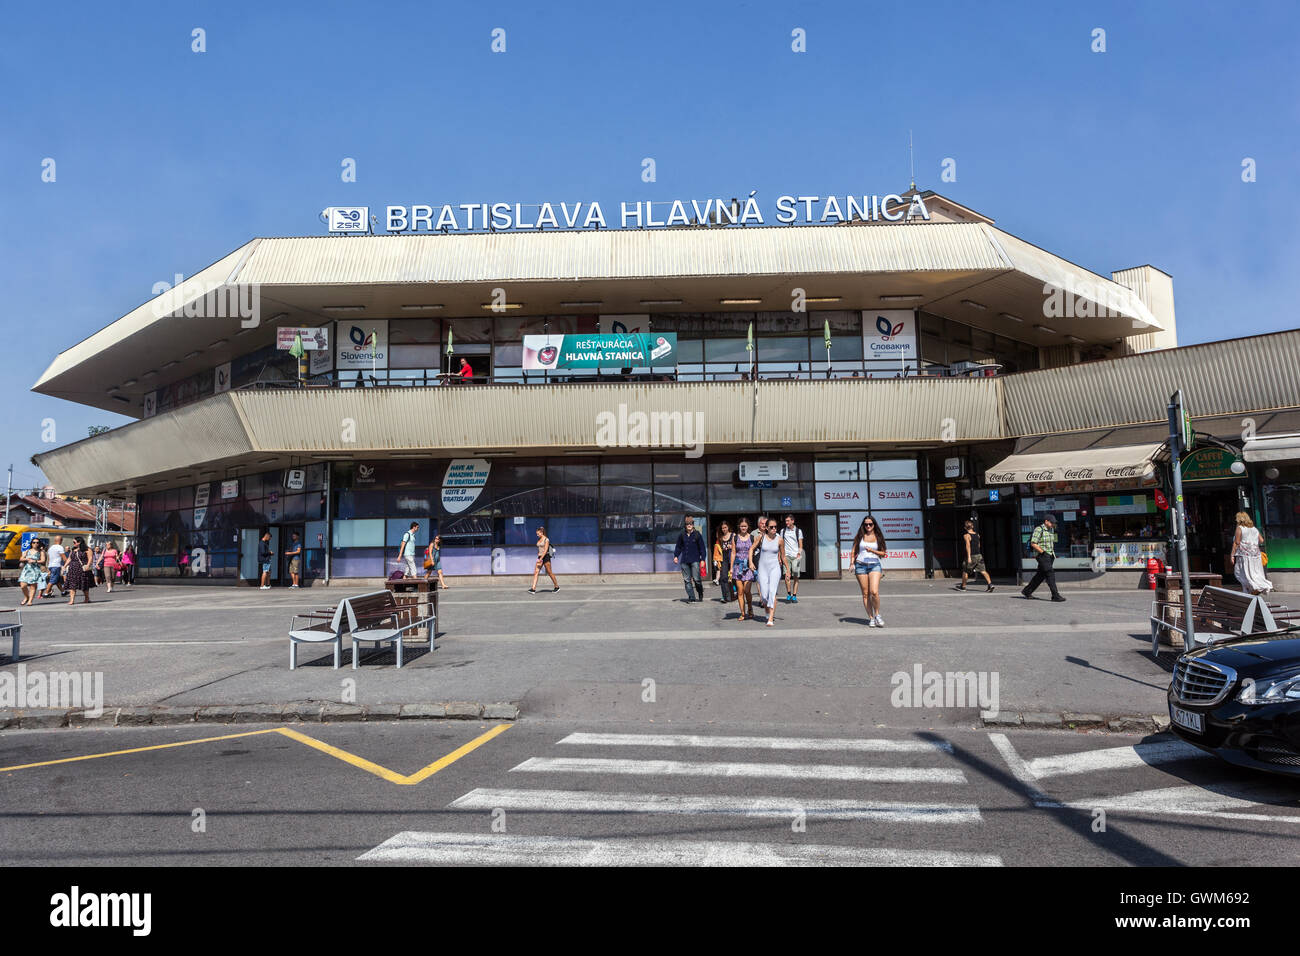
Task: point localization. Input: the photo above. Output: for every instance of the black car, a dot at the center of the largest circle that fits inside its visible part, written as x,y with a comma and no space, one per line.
1240,699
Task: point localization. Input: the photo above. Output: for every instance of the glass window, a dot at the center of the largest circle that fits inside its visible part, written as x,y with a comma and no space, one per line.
358,504
679,498
892,468
414,356
690,351
416,502
784,349
357,563
571,473
624,471
618,499
368,533
396,527
414,332
469,330
677,470
573,530
572,499
840,470
726,350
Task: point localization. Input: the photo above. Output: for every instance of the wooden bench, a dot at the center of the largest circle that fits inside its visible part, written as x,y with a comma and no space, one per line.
377,618
318,627
13,629
1221,614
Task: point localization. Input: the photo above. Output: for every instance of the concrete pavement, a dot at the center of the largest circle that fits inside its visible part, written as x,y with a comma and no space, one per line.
629,652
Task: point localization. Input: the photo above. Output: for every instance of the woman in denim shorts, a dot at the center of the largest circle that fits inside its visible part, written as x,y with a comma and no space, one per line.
868,549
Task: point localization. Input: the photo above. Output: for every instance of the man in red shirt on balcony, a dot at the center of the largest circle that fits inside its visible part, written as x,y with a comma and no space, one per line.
466,371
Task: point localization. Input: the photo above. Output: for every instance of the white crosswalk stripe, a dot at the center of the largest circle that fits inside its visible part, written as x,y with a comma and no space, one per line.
891,762
461,849
583,801
1230,799
786,771
760,743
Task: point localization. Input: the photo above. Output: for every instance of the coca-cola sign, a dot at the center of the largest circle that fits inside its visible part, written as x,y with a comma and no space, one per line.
1078,474
1046,475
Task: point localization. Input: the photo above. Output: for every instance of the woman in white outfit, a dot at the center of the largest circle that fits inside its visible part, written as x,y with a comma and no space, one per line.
770,564
1248,561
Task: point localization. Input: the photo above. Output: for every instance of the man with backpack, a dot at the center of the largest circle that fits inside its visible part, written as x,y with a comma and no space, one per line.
792,538
1043,544
687,555
406,553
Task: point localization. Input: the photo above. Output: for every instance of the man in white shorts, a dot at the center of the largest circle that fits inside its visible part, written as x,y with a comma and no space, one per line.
793,539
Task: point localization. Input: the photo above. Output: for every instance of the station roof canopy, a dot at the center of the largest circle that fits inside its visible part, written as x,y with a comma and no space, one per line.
968,271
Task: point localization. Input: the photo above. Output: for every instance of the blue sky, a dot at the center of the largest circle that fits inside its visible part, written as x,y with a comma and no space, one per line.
169,159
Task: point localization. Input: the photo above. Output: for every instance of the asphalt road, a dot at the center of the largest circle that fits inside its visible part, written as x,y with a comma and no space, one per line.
632,792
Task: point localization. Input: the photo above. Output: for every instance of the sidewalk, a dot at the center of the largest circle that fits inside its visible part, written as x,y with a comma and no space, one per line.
589,651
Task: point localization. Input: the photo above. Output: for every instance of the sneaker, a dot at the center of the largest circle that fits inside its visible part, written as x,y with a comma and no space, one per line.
871,622
265,587
1058,599
989,588
960,587
293,587
554,589
794,599
532,590
880,621
1027,596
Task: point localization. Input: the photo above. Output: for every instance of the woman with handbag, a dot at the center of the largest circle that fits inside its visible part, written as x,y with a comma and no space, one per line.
81,573
29,577
1247,556
544,555
433,560
109,562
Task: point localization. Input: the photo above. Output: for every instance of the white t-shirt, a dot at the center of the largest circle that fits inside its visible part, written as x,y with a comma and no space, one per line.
56,552
793,538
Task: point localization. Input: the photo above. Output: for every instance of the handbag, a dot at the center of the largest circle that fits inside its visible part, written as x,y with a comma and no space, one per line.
1263,557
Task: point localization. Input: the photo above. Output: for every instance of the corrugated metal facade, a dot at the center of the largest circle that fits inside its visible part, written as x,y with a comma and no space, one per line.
1220,378
207,431
623,254
535,418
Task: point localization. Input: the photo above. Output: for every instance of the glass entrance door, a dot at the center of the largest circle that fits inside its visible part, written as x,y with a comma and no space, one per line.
827,546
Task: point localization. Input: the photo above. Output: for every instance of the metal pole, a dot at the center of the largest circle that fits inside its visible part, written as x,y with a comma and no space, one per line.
9,491
1176,451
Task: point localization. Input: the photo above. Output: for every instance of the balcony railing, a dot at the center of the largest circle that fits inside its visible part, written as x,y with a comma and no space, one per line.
418,378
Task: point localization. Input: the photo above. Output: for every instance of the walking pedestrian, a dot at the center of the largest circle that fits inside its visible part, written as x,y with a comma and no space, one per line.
128,564
80,575
1043,543
688,555
54,561
974,561
264,557
294,554
545,552
792,538
30,575
406,551
769,562
1248,556
433,560
759,529
109,561
724,548
868,554
742,571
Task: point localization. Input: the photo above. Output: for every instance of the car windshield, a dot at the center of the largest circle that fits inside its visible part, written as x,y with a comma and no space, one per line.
5,538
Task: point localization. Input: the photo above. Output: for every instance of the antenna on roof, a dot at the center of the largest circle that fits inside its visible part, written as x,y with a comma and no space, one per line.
911,158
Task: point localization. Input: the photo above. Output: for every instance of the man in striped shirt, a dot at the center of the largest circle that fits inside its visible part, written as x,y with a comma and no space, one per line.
1043,543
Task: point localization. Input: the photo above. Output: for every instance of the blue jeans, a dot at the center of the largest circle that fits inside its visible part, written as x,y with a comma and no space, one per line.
691,579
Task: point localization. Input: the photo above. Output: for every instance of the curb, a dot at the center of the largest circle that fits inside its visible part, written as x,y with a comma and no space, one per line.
306,711
1123,723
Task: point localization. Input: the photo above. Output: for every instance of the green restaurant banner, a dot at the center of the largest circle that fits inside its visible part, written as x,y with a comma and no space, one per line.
1208,464
625,350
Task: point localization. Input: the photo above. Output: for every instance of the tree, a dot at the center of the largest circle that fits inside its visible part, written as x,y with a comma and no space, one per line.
99,430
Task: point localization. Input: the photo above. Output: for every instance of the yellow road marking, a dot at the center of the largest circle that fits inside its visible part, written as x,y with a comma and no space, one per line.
136,750
336,752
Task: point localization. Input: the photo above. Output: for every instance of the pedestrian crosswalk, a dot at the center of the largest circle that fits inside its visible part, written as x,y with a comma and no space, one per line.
824,802
1222,791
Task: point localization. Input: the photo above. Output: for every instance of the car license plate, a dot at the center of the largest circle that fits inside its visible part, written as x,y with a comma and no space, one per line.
1187,720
